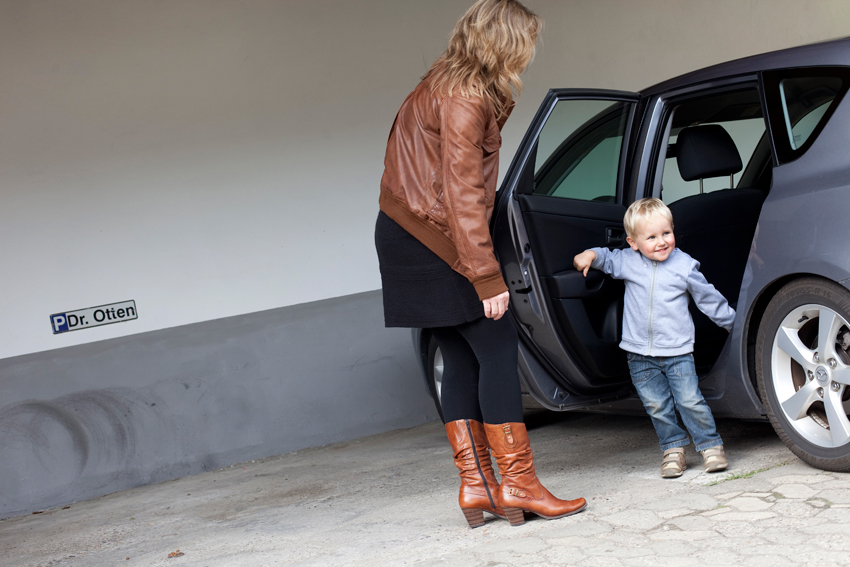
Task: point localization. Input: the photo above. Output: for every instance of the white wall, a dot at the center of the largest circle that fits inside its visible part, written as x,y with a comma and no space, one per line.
210,158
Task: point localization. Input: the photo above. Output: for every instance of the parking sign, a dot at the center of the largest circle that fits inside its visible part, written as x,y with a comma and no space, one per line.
93,317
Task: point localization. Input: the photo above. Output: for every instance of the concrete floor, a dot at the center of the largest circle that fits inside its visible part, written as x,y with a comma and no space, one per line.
391,499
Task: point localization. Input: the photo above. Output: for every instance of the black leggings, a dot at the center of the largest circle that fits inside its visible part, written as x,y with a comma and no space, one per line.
480,379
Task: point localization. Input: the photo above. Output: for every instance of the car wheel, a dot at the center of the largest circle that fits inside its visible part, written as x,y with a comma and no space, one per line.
435,375
803,370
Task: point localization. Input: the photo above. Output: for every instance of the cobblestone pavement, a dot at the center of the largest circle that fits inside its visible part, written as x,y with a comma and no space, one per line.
391,500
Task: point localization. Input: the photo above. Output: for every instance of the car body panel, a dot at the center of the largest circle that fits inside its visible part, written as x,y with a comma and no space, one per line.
828,53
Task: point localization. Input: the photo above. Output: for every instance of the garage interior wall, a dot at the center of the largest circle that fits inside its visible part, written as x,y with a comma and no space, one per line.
218,163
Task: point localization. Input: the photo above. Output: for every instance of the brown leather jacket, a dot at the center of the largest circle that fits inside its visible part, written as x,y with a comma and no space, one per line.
439,182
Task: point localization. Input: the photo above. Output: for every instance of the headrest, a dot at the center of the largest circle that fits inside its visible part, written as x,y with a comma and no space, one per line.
706,151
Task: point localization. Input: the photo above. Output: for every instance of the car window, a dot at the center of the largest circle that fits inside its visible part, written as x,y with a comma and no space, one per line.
800,102
579,150
805,100
739,113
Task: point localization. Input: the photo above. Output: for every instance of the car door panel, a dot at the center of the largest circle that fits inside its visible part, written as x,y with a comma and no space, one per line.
562,195
586,311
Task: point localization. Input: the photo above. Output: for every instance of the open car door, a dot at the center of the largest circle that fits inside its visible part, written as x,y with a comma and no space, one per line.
564,193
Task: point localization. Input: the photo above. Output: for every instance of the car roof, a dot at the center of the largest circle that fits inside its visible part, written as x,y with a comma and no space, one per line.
835,52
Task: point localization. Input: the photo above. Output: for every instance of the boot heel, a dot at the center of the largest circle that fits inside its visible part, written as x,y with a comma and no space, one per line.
515,516
474,517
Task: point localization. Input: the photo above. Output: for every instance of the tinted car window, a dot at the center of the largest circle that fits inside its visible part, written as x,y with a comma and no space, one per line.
579,150
805,100
738,112
800,102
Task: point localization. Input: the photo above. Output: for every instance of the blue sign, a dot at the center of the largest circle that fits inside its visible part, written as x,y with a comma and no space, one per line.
60,322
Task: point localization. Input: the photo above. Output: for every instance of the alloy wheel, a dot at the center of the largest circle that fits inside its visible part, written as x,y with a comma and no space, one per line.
438,375
811,373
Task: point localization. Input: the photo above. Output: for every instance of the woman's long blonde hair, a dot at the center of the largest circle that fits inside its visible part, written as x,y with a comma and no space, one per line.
490,47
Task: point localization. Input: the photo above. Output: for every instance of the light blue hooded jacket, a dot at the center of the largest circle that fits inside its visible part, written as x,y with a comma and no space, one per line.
656,320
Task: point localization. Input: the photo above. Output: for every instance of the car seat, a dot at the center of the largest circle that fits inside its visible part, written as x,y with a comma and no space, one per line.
715,228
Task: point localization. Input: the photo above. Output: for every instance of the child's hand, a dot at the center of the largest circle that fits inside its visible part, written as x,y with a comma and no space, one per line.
582,261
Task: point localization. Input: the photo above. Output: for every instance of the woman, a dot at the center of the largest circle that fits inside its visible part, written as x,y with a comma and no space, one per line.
437,263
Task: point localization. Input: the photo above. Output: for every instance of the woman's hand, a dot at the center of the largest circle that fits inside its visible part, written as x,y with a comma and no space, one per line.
496,306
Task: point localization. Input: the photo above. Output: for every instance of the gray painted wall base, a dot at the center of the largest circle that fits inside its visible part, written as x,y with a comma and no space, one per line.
88,420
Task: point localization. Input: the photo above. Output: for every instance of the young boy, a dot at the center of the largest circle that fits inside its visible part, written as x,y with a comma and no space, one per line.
658,332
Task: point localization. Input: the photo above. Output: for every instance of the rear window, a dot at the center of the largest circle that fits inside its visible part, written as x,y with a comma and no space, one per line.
800,103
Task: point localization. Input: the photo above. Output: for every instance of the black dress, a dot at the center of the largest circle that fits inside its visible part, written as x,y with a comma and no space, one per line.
420,289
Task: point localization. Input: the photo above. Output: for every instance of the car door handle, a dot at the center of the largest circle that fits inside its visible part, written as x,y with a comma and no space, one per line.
572,284
615,237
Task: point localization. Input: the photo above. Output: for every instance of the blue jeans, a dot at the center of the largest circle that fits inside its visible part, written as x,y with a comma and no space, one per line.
668,383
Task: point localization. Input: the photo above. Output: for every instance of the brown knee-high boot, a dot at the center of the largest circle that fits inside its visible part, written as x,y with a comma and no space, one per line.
520,490
478,487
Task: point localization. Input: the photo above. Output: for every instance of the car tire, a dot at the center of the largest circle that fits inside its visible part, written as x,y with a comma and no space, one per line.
435,375
804,381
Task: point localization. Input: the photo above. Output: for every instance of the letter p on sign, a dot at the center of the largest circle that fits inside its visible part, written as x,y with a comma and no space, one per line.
60,323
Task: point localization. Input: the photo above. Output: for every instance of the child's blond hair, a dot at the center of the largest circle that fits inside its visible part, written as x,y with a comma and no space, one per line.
643,210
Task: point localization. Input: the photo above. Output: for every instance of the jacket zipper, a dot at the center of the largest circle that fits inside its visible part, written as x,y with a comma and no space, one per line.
651,294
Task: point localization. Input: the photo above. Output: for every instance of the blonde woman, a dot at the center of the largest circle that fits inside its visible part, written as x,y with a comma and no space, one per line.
437,263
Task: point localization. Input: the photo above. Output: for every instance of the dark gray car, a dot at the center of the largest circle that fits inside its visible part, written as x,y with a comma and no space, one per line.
753,159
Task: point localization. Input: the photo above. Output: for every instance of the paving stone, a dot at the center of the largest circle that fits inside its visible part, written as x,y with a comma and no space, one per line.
667,514
796,508
800,479
457,559
772,549
827,529
562,555
746,504
770,561
733,544
574,542
622,538
836,496
564,529
688,523
716,511
683,560
509,560
715,556
744,516
680,535
694,501
728,495
753,484
637,519
682,548
832,514
800,491
513,546
757,494
783,536
618,551
599,562
824,556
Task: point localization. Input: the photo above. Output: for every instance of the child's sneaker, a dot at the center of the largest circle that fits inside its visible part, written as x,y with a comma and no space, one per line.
714,459
674,463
